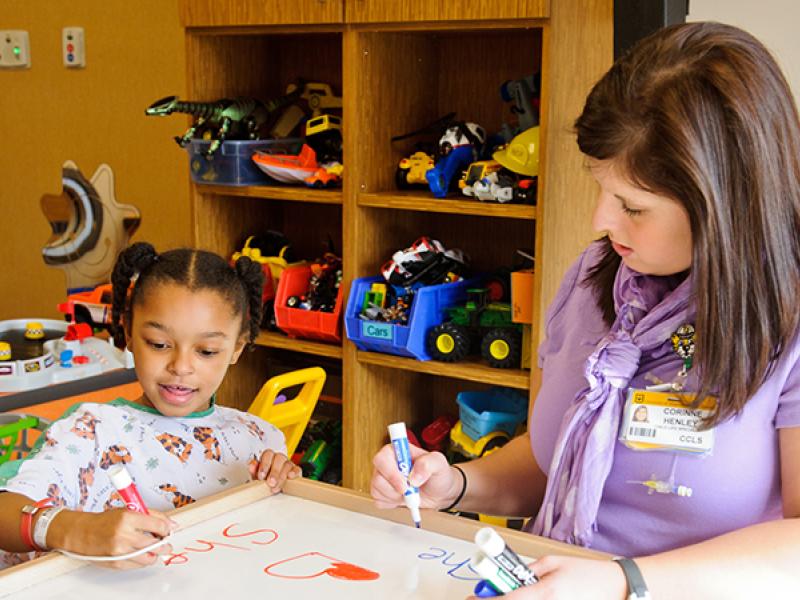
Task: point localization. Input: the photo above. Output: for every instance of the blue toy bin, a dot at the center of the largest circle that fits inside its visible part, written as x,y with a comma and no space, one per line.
497,409
427,310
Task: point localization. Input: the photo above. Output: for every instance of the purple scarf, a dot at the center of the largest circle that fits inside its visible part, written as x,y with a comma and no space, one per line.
647,314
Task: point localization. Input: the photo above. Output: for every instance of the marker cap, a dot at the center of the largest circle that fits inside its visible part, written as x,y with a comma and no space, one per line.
488,540
120,478
484,589
397,431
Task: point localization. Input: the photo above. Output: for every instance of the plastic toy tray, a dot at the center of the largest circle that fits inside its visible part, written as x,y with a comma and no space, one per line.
232,163
497,409
299,323
427,310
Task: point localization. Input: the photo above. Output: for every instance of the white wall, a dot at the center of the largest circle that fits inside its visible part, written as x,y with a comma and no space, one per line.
774,22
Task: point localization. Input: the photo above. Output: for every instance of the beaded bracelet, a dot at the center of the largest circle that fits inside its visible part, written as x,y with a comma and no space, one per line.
463,489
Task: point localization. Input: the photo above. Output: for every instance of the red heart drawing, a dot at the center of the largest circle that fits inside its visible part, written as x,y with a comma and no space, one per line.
316,564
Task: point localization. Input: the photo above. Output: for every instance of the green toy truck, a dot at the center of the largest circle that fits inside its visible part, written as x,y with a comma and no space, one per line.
479,323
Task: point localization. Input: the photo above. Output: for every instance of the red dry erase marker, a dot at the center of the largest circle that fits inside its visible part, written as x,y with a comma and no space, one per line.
122,481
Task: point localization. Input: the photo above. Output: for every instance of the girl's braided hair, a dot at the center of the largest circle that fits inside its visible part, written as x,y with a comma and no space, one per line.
241,285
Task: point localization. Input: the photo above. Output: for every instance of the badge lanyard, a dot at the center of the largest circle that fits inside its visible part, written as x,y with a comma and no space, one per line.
656,418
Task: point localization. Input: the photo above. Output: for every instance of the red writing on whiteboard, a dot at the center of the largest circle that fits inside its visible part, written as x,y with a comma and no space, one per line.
316,564
264,537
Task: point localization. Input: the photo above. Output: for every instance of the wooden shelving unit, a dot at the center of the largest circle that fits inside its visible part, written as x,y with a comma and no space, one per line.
270,339
424,203
467,370
274,192
398,66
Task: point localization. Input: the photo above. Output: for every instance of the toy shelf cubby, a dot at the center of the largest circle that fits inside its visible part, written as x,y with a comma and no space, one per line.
399,66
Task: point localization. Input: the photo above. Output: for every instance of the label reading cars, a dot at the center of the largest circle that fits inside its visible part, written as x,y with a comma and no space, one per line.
666,421
377,331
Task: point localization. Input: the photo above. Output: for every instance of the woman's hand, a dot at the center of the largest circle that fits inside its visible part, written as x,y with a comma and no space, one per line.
569,578
112,533
274,468
438,482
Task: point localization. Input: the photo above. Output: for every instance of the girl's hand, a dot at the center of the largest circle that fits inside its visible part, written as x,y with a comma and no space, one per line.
569,578
438,483
275,469
112,533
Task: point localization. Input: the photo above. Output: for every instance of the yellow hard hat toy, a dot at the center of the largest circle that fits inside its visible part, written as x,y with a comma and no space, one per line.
521,154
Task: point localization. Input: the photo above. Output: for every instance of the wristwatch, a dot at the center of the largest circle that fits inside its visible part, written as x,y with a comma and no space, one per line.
637,588
27,520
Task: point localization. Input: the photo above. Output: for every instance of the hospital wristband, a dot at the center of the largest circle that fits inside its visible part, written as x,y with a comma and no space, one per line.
26,521
463,489
43,524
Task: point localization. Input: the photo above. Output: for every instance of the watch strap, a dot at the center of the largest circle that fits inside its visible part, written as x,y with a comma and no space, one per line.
26,521
43,524
637,588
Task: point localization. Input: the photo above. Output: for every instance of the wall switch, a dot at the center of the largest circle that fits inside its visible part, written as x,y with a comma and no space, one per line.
15,52
72,47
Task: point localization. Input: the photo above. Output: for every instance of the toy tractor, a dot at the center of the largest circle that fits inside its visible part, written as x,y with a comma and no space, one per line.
479,323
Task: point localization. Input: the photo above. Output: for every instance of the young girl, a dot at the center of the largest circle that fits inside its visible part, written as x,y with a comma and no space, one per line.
189,317
694,292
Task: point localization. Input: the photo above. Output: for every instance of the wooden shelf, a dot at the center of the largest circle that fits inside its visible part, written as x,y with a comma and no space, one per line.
274,192
272,339
422,202
468,370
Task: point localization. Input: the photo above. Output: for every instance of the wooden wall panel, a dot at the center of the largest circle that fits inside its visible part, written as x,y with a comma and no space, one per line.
50,114
578,48
220,13
391,11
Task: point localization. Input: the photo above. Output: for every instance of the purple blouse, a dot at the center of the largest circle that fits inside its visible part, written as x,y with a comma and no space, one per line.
736,485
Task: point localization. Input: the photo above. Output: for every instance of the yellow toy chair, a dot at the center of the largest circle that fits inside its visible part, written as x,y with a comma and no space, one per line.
290,416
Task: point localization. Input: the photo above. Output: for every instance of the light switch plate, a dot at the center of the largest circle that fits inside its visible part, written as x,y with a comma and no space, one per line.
15,50
73,48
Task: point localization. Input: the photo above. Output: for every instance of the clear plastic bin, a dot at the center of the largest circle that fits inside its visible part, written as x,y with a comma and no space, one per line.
232,163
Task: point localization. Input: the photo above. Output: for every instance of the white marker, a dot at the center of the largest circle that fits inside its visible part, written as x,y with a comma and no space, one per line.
402,453
495,547
497,576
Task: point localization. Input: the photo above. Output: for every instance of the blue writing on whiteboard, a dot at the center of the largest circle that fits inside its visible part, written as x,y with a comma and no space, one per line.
461,570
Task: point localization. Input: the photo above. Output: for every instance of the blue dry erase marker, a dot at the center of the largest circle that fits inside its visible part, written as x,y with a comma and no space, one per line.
399,438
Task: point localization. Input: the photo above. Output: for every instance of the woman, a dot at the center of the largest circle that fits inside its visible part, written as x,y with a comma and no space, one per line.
693,292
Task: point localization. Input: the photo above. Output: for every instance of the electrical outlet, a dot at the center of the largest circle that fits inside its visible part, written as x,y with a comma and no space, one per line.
73,47
15,50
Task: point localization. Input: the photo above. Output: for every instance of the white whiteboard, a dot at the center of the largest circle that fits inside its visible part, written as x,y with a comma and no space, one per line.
409,563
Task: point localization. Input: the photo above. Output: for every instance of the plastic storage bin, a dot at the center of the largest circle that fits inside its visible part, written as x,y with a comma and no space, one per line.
427,310
232,163
299,323
497,409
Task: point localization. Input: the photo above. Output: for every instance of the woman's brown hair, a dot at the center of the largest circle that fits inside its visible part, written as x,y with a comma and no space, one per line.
701,113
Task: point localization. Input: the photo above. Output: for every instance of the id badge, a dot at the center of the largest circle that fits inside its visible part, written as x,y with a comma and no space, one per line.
664,421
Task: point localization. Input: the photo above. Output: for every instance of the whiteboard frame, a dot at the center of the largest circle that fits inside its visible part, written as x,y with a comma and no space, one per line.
19,577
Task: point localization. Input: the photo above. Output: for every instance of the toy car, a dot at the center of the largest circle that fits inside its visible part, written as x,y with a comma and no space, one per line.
475,172
463,445
490,323
324,135
326,176
92,307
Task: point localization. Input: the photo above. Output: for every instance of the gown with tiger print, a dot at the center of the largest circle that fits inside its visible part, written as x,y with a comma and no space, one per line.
173,460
